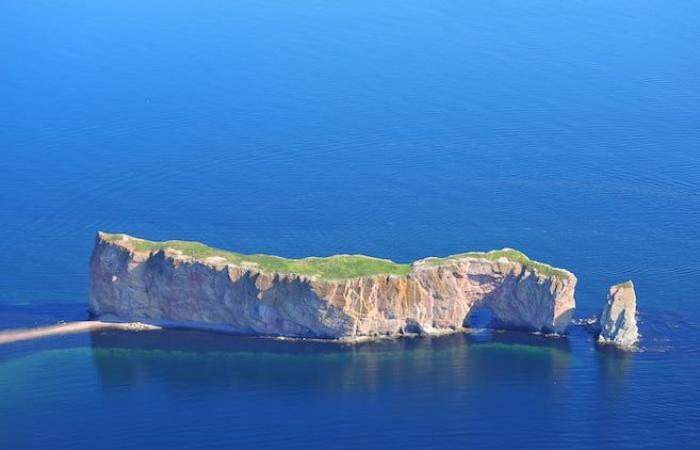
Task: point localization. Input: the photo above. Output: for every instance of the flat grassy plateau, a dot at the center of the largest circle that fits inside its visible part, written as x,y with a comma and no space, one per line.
331,267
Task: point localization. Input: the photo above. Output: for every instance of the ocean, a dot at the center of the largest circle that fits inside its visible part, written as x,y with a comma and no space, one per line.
398,129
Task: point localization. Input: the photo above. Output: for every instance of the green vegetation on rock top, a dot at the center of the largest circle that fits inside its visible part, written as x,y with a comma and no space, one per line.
510,255
331,267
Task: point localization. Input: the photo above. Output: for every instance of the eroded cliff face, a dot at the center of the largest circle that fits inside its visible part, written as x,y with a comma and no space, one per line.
618,320
166,286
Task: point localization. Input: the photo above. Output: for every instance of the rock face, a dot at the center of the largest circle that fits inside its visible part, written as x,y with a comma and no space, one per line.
618,321
166,286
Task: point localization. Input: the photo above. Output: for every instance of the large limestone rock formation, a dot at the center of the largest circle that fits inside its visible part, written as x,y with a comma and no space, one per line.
618,321
165,286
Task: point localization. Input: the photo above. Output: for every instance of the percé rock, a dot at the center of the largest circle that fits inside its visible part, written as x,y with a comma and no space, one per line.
618,320
435,295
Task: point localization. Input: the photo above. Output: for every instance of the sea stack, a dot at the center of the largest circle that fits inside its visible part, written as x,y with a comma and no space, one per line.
346,297
618,320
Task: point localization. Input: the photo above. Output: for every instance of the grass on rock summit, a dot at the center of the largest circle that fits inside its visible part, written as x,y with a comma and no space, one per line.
331,267
337,266
510,255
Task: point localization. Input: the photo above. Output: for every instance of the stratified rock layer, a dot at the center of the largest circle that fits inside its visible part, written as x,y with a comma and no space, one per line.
618,321
166,286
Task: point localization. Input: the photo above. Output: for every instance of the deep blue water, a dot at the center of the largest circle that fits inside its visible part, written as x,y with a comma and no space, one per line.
401,129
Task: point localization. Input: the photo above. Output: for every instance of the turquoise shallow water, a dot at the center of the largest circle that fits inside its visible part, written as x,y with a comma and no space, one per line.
395,129
188,389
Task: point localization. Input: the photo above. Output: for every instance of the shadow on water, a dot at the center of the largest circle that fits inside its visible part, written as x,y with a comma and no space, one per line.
614,363
184,358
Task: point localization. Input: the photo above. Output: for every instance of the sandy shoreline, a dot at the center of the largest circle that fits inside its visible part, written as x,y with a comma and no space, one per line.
84,326
25,334
111,323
